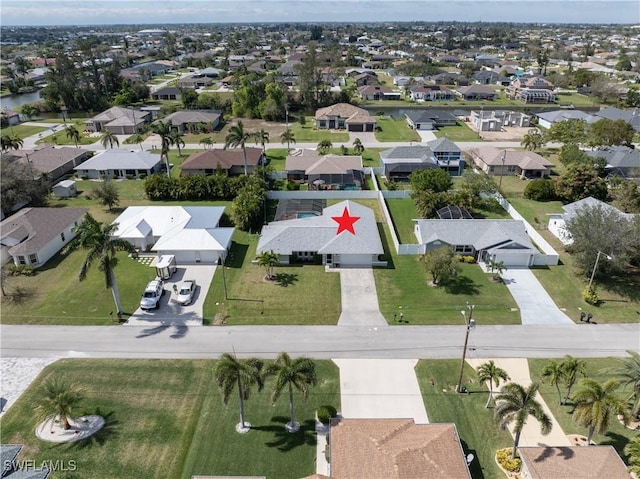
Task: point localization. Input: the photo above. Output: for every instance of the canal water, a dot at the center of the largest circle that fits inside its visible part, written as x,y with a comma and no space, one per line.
12,102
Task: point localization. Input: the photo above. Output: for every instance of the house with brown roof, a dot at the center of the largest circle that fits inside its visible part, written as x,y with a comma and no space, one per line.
325,172
343,116
477,92
394,449
230,161
119,121
377,92
532,90
184,120
53,161
33,235
592,462
526,164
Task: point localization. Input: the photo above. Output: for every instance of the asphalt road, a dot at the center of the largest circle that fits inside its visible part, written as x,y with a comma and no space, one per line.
321,342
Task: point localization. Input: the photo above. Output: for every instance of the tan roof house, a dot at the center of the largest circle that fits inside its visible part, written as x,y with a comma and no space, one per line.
578,462
343,116
54,161
509,162
394,449
230,161
324,171
119,121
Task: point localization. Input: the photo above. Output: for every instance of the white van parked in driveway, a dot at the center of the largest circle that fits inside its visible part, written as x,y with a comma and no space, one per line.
152,294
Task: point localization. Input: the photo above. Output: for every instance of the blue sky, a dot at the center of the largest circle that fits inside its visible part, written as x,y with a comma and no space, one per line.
94,12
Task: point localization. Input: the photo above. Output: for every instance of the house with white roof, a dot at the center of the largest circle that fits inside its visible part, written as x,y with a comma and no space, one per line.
190,233
119,164
497,240
304,238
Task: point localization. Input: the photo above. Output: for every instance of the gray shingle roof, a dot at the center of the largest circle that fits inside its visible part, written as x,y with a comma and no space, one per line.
618,156
319,233
120,159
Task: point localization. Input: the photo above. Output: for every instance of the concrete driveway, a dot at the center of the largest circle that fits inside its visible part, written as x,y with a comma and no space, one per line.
170,311
380,388
359,298
536,306
426,135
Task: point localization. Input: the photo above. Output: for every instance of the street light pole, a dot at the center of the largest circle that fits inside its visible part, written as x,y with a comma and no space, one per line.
595,266
224,279
470,324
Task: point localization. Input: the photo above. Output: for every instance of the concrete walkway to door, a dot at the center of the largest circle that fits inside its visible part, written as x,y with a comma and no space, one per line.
359,298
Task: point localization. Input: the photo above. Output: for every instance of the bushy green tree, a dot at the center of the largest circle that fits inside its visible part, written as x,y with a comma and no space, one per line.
441,263
247,206
580,181
607,132
107,192
540,189
436,180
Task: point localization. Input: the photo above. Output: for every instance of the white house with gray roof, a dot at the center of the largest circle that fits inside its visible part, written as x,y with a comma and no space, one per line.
119,164
401,161
497,240
304,238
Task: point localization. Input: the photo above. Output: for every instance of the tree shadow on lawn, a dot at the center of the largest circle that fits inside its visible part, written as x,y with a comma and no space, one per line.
108,431
627,286
286,441
618,441
286,279
237,253
461,285
387,256
474,467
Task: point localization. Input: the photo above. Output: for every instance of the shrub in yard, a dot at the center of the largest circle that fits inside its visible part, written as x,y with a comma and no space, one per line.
292,185
325,413
540,190
590,296
460,258
503,456
469,259
391,185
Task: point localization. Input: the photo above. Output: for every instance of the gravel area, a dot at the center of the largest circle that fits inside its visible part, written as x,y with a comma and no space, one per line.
16,374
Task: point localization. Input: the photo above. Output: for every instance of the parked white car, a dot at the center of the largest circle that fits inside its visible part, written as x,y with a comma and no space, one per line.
152,294
185,292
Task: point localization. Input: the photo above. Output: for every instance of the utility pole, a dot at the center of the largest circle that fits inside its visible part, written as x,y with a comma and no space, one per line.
470,324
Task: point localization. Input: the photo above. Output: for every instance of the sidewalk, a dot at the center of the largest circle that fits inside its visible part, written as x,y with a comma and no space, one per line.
16,375
518,371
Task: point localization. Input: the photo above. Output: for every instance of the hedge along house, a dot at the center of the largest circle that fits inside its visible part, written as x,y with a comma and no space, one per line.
190,233
122,164
497,240
307,238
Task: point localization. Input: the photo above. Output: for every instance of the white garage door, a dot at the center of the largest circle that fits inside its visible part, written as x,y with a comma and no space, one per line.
194,257
514,259
355,260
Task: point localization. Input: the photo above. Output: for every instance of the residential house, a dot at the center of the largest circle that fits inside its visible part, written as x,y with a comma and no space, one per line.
167,93
377,93
366,78
593,462
526,164
547,119
532,89
53,161
194,81
395,449
423,92
229,161
399,162
497,240
32,236
344,116
429,119
11,118
210,72
498,119
185,120
450,78
190,233
110,164
325,172
485,77
630,116
118,120
65,189
621,161
402,80
477,92
558,221
305,238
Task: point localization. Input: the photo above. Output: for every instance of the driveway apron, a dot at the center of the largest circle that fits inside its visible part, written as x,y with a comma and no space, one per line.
359,298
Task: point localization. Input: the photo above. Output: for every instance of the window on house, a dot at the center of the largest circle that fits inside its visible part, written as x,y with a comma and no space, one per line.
33,258
22,260
62,236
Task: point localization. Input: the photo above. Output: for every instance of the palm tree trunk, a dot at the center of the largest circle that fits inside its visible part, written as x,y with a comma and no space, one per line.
592,429
64,422
244,157
559,394
490,394
166,160
515,444
114,291
240,392
291,411
566,399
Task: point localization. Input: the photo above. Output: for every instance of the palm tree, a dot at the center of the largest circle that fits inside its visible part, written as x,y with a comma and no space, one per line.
72,133
532,140
109,138
230,372
97,238
238,137
357,146
596,403
58,399
11,142
299,373
288,137
571,368
176,137
138,138
632,449
629,372
163,130
207,141
268,260
262,137
516,403
554,372
324,146
489,372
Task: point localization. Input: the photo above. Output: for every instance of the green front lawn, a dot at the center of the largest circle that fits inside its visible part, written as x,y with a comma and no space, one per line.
308,133
56,296
22,131
394,130
460,132
165,418
301,294
477,430
617,435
